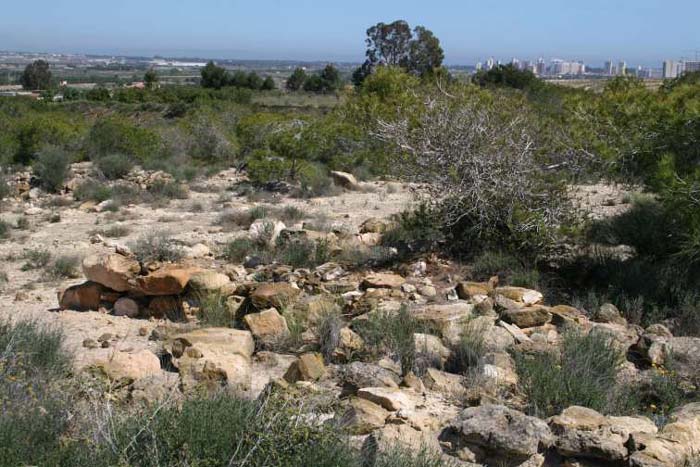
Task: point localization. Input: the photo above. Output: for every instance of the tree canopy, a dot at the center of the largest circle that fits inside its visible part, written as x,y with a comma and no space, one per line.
417,51
36,75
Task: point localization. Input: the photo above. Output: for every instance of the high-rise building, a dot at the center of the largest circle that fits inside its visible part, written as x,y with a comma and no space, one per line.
622,68
479,66
609,68
691,65
490,63
672,69
563,67
541,67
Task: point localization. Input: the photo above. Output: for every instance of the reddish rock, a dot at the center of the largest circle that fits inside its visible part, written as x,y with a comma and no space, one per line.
166,281
82,297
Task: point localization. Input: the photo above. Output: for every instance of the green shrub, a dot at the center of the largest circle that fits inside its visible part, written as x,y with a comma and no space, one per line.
114,166
114,135
52,168
414,231
236,250
291,214
228,431
164,190
494,263
92,190
36,259
303,253
584,374
4,229
157,246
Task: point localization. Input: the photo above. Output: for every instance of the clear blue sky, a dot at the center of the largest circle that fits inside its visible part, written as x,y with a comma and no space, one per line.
639,31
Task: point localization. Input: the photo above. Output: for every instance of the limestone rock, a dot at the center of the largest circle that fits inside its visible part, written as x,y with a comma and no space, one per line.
210,281
129,366
267,326
362,416
389,398
277,295
500,432
675,445
114,271
448,319
222,358
308,367
431,345
520,295
528,317
585,433
444,383
608,313
358,375
383,281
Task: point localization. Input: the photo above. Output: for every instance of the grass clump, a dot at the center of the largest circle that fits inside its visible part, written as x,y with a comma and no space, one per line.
36,259
66,267
582,373
391,333
157,246
213,310
36,409
466,354
4,229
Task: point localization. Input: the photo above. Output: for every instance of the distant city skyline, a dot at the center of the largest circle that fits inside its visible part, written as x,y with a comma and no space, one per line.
593,32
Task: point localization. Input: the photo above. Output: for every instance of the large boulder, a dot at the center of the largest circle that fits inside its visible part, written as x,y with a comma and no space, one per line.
278,295
214,358
498,434
114,271
584,433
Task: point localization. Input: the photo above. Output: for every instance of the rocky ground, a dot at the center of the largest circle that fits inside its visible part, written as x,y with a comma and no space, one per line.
141,324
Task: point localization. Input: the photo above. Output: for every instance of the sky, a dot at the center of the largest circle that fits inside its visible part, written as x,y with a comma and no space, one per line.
643,32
